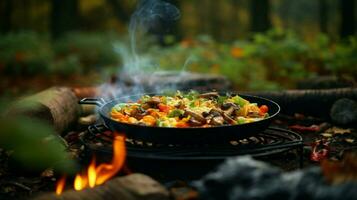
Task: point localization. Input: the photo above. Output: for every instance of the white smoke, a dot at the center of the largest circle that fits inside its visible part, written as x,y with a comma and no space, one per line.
150,16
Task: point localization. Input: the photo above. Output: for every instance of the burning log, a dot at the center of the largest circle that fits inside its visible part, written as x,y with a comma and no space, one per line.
131,187
57,106
312,102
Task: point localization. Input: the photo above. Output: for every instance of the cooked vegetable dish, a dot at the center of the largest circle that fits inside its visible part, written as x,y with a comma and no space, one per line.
189,110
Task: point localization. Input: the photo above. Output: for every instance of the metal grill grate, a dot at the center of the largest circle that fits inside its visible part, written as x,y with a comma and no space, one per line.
271,141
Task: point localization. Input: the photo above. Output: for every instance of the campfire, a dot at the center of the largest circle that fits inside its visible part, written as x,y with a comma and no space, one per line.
178,170
205,141
98,174
168,163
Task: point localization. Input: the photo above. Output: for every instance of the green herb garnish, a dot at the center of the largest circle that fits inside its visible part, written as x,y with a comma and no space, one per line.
176,113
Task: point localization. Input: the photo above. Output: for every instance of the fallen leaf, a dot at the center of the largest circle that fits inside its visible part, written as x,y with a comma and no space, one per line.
349,140
299,116
47,173
328,135
336,130
9,189
320,150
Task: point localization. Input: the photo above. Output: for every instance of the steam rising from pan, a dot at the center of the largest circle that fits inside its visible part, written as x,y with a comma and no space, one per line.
150,16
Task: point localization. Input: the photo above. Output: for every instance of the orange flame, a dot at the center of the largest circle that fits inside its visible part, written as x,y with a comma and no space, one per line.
92,175
80,182
97,175
60,185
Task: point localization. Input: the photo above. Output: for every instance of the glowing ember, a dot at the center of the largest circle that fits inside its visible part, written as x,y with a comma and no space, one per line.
97,175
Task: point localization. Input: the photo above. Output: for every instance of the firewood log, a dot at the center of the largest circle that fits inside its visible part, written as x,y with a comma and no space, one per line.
326,82
83,92
57,106
131,187
312,102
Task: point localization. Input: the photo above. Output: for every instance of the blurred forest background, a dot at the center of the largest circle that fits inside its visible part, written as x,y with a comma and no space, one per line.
257,44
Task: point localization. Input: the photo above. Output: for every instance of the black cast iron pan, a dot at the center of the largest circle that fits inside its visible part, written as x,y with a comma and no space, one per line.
192,135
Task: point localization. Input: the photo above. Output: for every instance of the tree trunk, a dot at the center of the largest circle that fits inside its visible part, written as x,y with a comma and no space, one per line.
216,26
201,8
26,6
323,15
64,17
260,15
175,29
5,19
234,22
347,18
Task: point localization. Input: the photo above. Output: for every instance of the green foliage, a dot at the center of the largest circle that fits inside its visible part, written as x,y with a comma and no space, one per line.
236,61
92,50
66,66
344,59
24,53
34,144
31,142
273,60
28,53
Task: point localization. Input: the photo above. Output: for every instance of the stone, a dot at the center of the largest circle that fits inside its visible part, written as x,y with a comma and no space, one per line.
245,178
344,112
130,187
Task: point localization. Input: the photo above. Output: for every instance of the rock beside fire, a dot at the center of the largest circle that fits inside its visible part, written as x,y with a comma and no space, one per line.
245,178
344,112
131,187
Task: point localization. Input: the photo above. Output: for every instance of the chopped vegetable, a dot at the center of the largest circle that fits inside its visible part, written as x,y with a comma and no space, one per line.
264,109
221,99
149,120
164,108
176,113
241,120
145,98
182,124
239,101
192,95
189,110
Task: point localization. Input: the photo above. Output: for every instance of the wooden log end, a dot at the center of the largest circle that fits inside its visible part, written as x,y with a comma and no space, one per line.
57,106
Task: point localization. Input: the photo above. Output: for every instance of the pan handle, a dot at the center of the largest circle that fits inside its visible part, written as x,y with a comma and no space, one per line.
92,101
